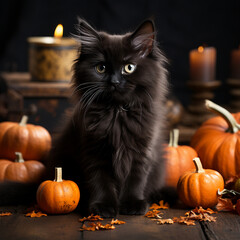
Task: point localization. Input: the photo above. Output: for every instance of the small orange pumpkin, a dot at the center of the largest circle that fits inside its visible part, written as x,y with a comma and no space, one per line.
200,187
217,142
31,140
58,196
178,159
20,171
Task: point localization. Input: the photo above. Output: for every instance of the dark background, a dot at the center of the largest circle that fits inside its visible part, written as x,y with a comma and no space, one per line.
182,26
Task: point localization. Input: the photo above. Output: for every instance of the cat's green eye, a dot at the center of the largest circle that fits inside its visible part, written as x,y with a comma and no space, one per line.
128,69
100,68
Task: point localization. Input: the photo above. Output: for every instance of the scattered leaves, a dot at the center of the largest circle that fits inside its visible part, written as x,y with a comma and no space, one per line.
201,210
153,214
93,226
197,214
117,222
34,214
5,214
91,218
225,204
165,221
155,206
184,220
161,205
85,228
93,223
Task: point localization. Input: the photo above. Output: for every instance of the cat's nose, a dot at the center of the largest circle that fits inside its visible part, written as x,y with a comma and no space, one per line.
114,80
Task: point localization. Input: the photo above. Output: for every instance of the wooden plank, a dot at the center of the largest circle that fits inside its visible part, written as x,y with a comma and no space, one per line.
18,227
227,227
36,89
21,82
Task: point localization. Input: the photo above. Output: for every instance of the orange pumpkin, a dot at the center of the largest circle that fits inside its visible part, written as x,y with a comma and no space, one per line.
58,196
31,140
20,171
179,159
217,142
200,187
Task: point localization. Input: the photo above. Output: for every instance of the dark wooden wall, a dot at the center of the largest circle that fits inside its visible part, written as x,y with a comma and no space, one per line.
182,26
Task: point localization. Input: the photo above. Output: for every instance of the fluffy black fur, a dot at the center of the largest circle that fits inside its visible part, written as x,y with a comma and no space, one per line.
112,145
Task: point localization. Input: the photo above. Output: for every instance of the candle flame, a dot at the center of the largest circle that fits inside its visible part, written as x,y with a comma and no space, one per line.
58,31
200,49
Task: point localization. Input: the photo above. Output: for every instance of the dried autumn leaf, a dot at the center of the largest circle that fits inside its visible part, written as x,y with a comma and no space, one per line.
184,220
200,210
165,221
225,204
117,222
4,214
153,214
200,217
96,226
163,205
85,228
154,206
35,214
207,218
200,214
193,216
107,227
91,218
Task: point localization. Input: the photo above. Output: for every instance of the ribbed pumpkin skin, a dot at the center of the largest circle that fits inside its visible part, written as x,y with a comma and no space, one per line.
200,189
25,172
179,160
217,148
58,197
31,140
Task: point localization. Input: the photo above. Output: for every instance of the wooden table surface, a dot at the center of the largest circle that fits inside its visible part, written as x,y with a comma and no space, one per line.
66,227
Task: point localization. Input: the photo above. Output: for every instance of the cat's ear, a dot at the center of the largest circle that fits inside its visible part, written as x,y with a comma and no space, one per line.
87,35
142,39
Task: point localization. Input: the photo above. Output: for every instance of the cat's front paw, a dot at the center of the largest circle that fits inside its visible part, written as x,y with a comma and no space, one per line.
103,209
134,207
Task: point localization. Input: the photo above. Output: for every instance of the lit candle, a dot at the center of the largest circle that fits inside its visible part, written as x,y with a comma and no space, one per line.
203,64
51,58
235,63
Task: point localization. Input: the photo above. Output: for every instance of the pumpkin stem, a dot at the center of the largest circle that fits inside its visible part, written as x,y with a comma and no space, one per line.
23,121
198,165
58,174
19,157
174,136
233,125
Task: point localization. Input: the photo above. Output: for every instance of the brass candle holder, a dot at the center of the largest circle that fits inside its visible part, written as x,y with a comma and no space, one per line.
234,91
51,59
196,112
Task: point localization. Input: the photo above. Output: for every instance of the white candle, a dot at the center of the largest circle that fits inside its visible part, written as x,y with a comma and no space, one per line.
203,64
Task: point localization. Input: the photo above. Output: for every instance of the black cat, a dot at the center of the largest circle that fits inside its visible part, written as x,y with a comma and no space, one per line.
112,146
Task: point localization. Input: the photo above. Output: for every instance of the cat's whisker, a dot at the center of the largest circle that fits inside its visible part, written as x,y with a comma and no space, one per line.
89,102
149,97
93,96
83,86
88,95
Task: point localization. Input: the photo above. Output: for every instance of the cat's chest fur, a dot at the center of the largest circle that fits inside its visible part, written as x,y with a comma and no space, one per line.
124,130
119,125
